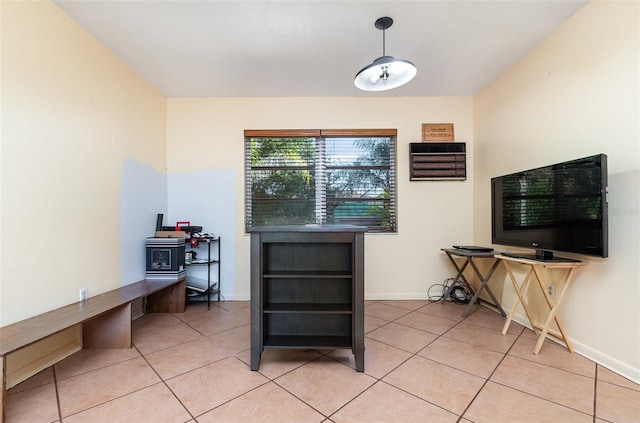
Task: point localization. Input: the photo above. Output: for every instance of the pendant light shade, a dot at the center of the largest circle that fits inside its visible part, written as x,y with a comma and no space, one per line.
385,72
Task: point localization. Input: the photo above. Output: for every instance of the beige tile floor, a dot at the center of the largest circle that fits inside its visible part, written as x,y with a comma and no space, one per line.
423,363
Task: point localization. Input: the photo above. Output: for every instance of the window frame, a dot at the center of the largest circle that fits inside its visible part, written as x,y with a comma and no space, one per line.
322,134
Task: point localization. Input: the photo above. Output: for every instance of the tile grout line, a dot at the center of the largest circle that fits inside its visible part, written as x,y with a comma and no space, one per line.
96,369
379,380
504,355
528,393
102,367
326,355
521,335
237,396
442,336
55,384
438,336
488,378
595,393
128,393
164,382
298,398
274,381
552,366
518,337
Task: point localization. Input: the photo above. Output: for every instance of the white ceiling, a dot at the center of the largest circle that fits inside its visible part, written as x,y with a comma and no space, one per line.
301,48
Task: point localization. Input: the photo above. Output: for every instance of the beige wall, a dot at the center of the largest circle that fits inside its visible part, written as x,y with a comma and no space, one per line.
72,113
208,134
575,95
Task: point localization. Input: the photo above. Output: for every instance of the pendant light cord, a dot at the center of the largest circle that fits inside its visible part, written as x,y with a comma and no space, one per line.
384,42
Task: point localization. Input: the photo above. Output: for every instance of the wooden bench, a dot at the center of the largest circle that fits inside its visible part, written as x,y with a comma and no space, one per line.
105,320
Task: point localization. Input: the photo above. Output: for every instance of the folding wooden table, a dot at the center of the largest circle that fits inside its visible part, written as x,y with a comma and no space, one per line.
469,256
534,271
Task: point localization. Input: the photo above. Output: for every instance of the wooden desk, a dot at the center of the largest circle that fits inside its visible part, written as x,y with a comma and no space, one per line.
554,306
469,256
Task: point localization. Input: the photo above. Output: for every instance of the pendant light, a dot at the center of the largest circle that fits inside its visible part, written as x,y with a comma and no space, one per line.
385,72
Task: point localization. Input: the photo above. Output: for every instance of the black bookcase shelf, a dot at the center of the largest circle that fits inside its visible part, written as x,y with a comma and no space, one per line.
308,308
307,289
309,275
307,342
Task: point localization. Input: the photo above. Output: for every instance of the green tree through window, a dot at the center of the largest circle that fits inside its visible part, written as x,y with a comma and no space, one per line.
282,181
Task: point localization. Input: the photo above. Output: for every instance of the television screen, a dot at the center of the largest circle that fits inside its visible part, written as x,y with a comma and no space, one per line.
561,207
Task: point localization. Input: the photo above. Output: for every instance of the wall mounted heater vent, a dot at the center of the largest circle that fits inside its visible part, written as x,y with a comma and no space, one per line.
437,161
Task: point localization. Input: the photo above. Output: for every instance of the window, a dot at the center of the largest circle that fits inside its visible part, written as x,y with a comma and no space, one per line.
297,177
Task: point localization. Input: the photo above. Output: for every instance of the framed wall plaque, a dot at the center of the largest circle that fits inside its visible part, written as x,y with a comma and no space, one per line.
437,132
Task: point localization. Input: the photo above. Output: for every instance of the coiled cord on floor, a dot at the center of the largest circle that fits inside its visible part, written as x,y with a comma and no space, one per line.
459,293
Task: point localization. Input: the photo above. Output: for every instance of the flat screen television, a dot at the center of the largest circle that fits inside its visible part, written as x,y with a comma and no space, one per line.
560,207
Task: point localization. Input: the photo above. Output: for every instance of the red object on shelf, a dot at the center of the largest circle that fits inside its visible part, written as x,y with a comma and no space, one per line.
179,224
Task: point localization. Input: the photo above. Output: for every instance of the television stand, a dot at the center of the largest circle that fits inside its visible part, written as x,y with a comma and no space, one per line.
553,305
469,255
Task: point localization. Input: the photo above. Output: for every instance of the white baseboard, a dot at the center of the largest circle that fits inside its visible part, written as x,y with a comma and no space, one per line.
231,297
396,297
607,361
590,353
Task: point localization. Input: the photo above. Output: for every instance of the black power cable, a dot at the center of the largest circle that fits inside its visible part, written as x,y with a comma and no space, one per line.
459,293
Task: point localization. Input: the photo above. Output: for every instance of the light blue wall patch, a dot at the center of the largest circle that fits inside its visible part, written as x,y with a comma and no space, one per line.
207,199
144,195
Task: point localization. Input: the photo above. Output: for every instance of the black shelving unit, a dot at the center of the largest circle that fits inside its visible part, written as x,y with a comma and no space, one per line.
307,289
197,291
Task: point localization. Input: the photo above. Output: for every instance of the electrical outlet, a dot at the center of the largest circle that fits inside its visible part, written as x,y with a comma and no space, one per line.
551,291
83,294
